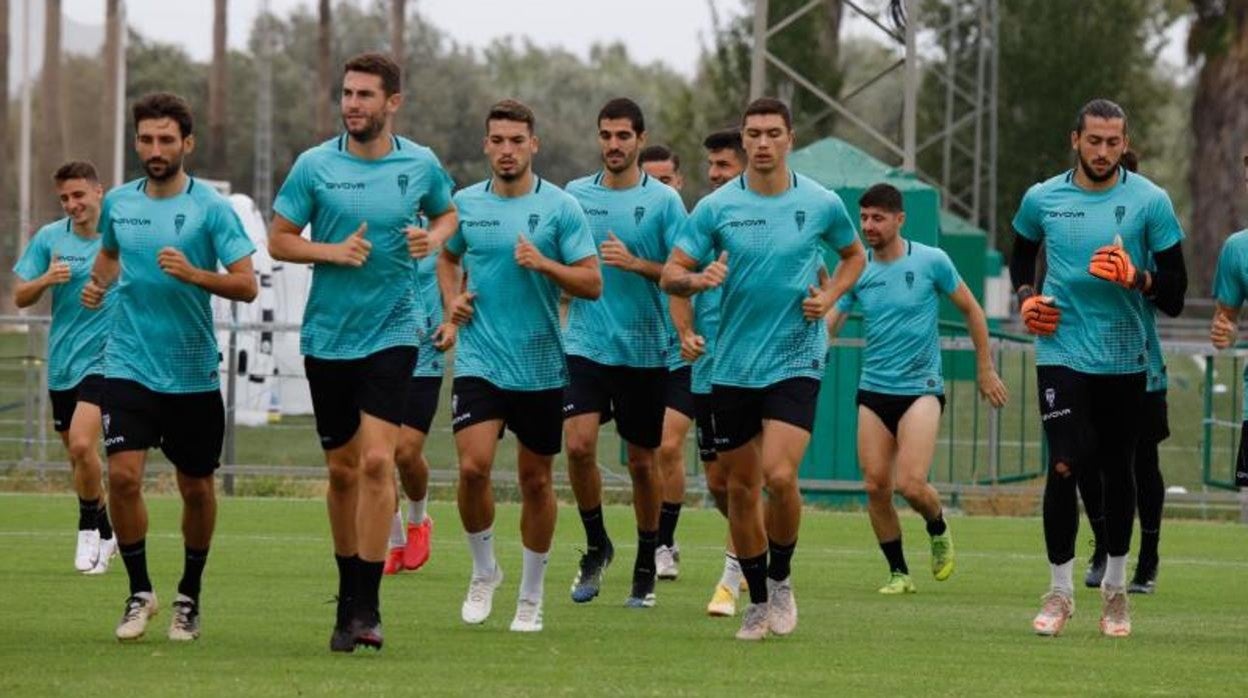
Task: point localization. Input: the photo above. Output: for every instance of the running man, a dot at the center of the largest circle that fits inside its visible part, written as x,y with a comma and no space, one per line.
1091,343
162,238
766,231
1230,290
522,242
362,192
59,257
618,346
901,390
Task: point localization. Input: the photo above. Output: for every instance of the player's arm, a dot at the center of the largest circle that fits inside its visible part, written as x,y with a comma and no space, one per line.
1040,314
287,244
422,241
1166,287
853,261
615,254
238,283
692,344
456,302
836,321
990,385
27,293
1225,328
580,279
680,276
104,273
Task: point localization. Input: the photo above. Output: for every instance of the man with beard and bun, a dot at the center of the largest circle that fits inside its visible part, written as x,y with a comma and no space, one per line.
362,192
522,241
766,232
1091,343
161,240
901,391
59,257
618,346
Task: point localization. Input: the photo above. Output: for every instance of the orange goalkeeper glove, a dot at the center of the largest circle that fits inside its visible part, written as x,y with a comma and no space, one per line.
1040,315
1113,264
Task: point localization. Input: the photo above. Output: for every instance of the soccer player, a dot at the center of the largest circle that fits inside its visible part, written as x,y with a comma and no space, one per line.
901,390
161,240
618,346
1091,344
522,241
662,163
361,191
765,231
1230,290
59,257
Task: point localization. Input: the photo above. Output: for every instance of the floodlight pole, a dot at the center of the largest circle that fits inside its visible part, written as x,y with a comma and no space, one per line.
758,57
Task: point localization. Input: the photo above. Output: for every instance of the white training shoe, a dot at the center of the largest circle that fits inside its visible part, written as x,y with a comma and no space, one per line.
665,564
782,607
754,622
108,549
528,617
185,624
88,550
1056,609
480,599
140,608
1115,612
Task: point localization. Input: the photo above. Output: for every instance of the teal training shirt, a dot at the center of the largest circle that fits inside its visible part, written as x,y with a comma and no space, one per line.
1102,328
162,335
1230,284
514,340
628,325
77,337
353,312
900,302
775,248
430,362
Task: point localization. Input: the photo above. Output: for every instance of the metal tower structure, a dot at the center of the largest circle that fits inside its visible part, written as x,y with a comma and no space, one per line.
262,183
964,35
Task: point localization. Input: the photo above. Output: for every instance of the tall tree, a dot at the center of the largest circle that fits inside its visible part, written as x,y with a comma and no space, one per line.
112,67
324,75
1219,119
217,92
398,23
52,132
5,155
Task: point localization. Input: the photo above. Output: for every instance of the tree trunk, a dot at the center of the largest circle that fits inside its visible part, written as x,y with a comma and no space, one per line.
398,25
7,203
216,93
112,65
52,130
324,76
1220,126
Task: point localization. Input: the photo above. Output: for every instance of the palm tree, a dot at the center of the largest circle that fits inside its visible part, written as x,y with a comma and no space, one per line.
52,134
216,92
112,65
324,84
398,21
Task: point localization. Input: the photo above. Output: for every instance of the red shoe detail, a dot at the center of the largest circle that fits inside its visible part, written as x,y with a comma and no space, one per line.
394,561
416,551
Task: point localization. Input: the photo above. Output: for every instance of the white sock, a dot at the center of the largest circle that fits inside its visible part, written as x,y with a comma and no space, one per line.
1062,577
731,577
482,546
1115,572
397,537
531,580
416,510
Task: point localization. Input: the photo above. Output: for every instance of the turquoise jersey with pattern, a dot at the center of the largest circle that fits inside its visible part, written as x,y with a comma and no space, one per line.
1230,283
353,312
900,301
514,340
628,325
162,335
430,361
1158,380
77,337
1101,331
775,249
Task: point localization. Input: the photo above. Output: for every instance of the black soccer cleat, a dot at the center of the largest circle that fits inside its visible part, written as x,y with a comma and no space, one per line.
366,629
1144,581
1096,568
343,637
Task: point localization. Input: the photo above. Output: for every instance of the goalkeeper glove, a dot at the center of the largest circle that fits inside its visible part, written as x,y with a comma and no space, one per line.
1040,315
1113,264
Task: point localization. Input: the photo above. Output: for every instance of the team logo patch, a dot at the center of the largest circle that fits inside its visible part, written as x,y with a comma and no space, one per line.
454,403
179,221
799,217
403,182
638,214
106,419
534,219
909,280
1050,396
1120,212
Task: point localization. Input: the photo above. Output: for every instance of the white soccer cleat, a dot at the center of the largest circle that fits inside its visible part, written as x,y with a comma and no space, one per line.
528,617
108,549
88,550
185,624
140,608
665,564
723,603
782,607
480,599
1115,612
754,622
1057,608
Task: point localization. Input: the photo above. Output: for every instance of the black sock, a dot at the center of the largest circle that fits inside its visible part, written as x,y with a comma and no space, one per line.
192,572
595,528
87,509
754,569
135,556
103,524
369,580
1148,546
896,558
346,577
937,526
781,557
669,514
647,541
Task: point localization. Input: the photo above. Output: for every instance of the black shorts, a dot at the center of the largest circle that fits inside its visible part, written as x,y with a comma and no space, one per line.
1241,463
1089,418
704,423
635,397
739,412
891,408
188,427
64,402
534,416
680,391
1156,419
421,402
343,388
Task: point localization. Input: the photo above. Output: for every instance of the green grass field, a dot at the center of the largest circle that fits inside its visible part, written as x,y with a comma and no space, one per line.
266,617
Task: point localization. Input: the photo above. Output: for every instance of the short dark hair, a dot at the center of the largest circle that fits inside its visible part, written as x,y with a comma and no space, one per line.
163,105
624,108
76,169
379,64
511,110
768,105
882,196
725,139
658,153
1101,109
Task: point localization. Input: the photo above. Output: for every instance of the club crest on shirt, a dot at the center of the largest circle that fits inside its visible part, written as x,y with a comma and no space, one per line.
1050,396
179,221
909,280
534,219
1120,212
799,217
402,181
106,419
638,214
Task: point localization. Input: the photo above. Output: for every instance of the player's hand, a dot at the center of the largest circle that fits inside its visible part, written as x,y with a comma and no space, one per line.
419,242
817,302
615,253
444,337
528,256
461,308
1113,264
354,251
58,272
992,388
1040,315
93,294
714,273
692,346
175,264
1224,331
